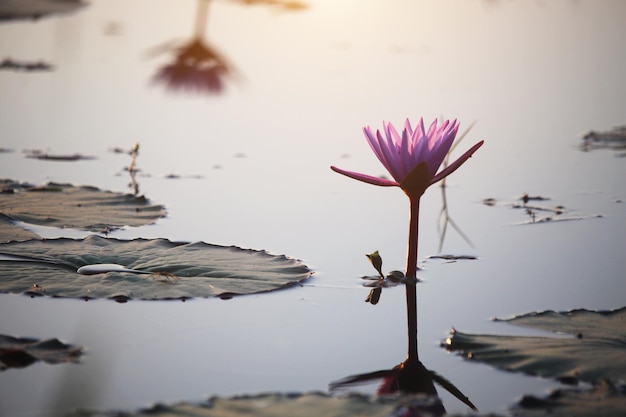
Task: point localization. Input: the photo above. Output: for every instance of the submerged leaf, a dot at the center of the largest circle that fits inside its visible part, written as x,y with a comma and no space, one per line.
21,352
594,349
68,206
142,269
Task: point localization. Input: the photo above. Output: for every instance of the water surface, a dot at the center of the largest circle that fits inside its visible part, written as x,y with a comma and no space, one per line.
254,167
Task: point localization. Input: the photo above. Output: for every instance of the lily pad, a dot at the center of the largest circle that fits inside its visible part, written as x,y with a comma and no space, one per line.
77,207
612,139
45,156
9,231
16,10
155,269
21,352
27,66
454,258
594,347
604,400
288,405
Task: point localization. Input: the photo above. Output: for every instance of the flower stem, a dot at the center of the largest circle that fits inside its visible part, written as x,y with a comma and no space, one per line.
411,279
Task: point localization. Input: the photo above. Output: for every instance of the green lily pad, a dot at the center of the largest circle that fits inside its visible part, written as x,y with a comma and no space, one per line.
155,269
283,405
594,347
77,207
21,352
9,231
605,400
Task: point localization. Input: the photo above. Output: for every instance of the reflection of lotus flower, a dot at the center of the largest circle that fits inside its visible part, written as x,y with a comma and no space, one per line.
414,157
409,377
198,67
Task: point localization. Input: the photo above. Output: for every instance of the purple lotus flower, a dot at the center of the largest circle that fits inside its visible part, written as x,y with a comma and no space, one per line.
413,157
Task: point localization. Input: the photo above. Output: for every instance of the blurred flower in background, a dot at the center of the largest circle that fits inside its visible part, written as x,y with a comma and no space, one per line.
197,65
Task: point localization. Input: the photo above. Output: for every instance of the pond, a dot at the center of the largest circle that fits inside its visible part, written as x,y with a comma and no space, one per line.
247,164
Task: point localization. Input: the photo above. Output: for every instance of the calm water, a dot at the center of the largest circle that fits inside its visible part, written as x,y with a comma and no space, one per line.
254,166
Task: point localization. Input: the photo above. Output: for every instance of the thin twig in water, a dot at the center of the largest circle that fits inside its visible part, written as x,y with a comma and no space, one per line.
132,170
134,153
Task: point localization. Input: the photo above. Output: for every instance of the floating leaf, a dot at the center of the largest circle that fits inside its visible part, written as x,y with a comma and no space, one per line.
612,139
9,231
26,66
45,156
377,284
594,349
36,9
604,400
284,405
21,352
67,206
97,267
454,258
